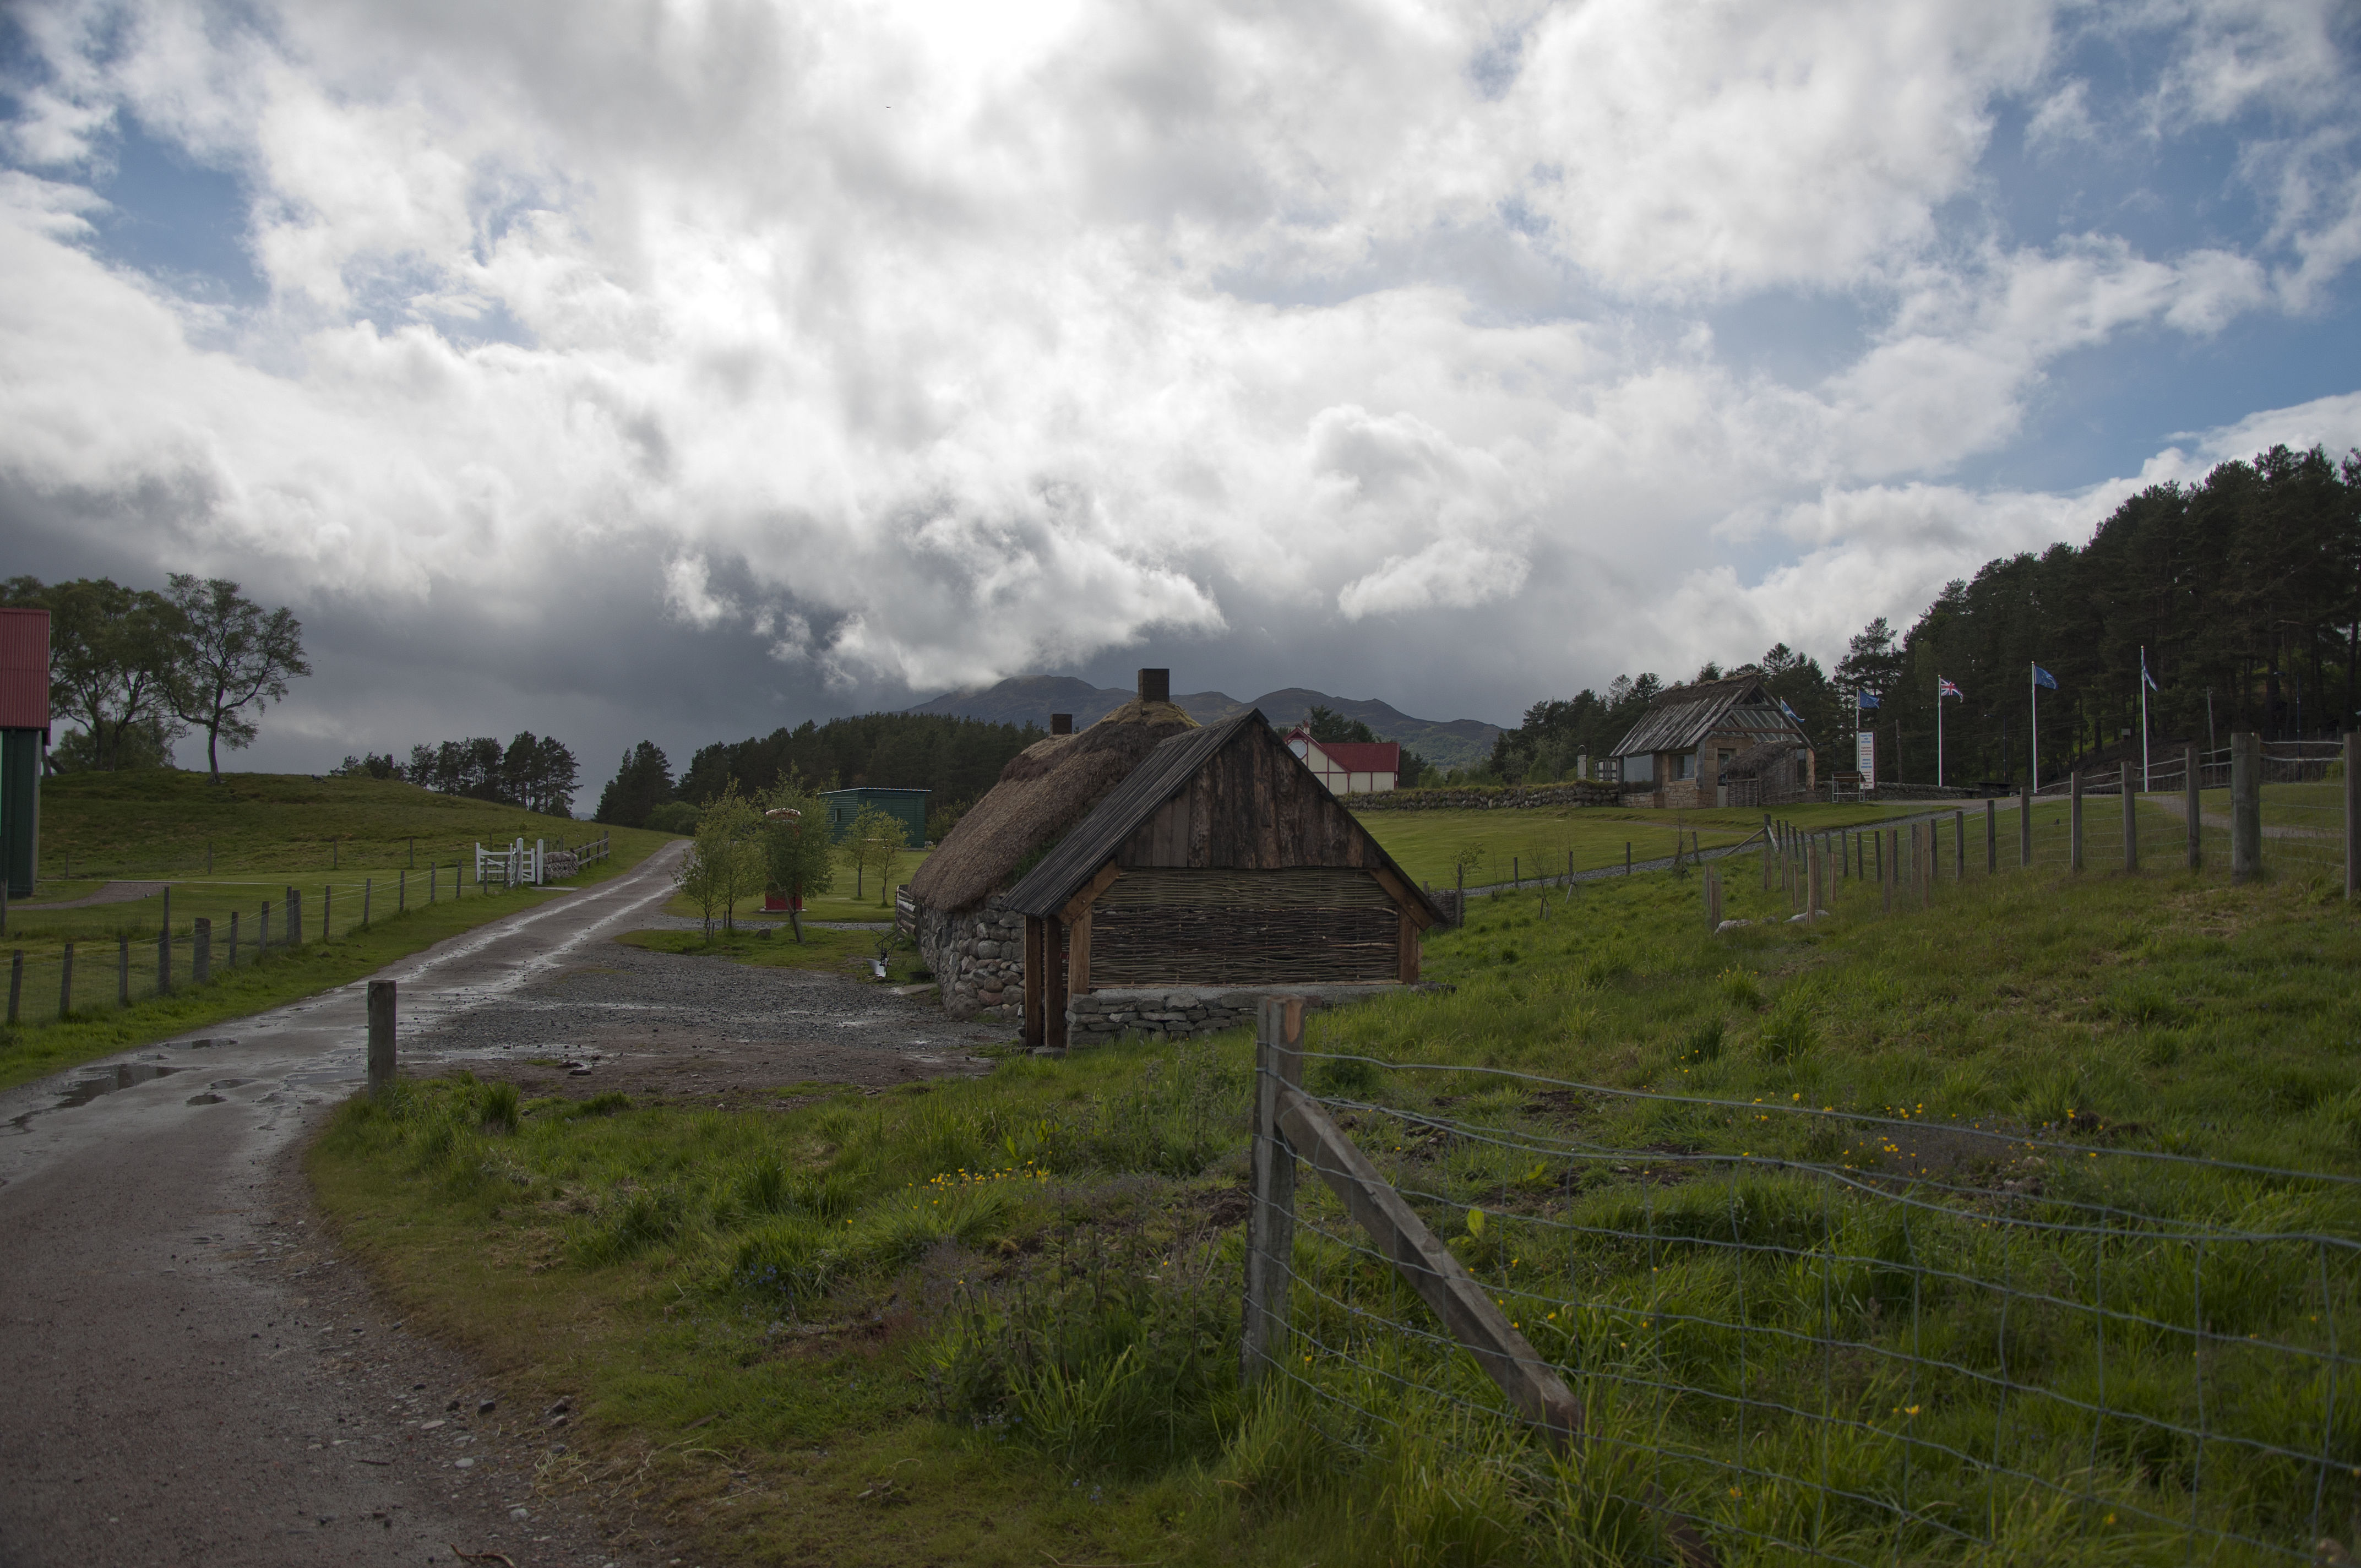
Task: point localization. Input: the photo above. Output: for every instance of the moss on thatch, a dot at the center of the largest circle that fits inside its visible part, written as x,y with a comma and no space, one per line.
1042,793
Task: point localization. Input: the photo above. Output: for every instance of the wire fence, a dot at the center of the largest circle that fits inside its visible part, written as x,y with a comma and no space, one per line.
81,960
1791,1333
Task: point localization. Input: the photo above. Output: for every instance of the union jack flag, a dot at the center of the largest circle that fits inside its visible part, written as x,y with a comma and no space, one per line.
1944,688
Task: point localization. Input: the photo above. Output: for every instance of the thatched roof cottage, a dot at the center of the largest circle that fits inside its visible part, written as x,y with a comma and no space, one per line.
1220,871
975,949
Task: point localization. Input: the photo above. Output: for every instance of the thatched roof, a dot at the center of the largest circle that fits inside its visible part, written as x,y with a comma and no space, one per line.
1042,793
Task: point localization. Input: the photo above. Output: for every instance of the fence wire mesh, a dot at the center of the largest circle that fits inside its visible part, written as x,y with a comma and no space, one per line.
1822,1336
77,960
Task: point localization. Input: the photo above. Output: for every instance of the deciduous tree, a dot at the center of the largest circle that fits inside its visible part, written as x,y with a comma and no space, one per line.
232,657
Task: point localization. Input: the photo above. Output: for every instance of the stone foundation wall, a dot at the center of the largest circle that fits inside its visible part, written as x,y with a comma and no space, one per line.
978,960
1172,1013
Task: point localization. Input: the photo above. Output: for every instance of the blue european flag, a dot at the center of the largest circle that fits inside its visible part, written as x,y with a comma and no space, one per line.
2042,678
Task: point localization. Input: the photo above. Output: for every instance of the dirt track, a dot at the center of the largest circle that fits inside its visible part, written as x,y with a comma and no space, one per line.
195,1376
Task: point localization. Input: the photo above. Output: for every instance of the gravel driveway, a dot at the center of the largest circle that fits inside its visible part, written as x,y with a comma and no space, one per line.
195,1376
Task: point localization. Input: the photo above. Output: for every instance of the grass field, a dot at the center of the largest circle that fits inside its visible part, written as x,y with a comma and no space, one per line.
267,833
1520,841
996,1322
764,946
162,822
839,904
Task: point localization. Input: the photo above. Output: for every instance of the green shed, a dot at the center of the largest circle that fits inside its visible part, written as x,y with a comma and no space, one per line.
906,805
24,735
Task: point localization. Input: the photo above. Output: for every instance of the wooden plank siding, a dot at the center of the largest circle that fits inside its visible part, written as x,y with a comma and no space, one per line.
1253,806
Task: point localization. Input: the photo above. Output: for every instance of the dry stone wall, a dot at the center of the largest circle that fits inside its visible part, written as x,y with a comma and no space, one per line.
1486,797
1173,1012
978,960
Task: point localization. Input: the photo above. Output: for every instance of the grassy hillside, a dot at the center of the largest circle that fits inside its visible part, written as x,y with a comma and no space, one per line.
996,1322
164,822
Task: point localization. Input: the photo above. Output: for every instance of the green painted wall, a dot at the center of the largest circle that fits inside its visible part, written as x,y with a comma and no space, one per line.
20,808
908,806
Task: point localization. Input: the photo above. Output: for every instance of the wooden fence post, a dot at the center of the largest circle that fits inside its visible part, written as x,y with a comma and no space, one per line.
201,951
1426,1266
2025,825
123,972
1270,1222
2193,803
1991,837
2352,814
366,883
232,940
2074,820
380,1036
65,984
1959,845
16,981
2246,807
2131,821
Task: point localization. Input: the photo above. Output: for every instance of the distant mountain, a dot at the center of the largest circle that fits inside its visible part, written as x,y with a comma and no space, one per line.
1453,744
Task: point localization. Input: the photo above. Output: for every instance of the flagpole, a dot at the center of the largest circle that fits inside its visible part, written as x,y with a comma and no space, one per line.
2143,785
2033,686
1938,732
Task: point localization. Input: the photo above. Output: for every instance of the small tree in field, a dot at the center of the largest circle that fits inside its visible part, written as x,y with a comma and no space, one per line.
699,876
796,856
874,841
726,861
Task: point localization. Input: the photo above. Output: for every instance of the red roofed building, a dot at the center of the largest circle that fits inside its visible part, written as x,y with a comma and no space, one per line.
1348,767
24,736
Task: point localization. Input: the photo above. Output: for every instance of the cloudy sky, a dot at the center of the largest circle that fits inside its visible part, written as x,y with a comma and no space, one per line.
616,368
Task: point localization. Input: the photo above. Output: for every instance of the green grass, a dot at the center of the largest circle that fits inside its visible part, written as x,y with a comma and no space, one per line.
164,822
875,903
774,946
995,1322
268,832
1425,842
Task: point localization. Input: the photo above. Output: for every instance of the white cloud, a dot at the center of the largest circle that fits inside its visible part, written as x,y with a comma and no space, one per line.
1259,327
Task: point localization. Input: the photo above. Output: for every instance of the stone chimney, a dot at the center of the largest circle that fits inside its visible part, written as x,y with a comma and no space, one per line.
1061,724
1156,686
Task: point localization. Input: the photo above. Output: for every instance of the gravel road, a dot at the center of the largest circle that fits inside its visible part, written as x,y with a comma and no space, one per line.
195,1376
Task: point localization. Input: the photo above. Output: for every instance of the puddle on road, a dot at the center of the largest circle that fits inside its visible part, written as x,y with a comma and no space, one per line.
87,1090
124,1077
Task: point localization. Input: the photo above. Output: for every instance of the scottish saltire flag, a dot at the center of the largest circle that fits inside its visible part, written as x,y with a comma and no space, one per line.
1868,699
2146,679
1944,688
2042,678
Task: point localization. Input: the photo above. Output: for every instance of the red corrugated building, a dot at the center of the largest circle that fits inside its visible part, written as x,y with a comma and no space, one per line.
24,736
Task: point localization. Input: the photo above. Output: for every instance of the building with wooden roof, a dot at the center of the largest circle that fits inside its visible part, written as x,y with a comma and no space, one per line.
1220,869
974,946
1676,755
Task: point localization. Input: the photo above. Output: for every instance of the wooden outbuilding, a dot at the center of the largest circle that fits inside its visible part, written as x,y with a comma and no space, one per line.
1675,756
974,945
1222,864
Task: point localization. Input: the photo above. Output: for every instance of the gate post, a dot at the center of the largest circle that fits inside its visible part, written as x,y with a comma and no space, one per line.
2074,820
2131,821
1270,1222
2352,814
380,1036
2193,803
2246,807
